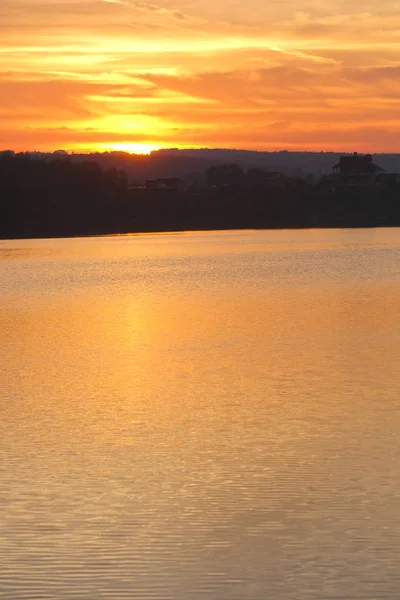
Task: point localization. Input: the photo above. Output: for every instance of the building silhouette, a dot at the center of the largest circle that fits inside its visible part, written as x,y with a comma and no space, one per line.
356,170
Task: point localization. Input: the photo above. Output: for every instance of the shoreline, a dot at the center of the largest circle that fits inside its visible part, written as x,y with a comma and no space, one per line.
167,232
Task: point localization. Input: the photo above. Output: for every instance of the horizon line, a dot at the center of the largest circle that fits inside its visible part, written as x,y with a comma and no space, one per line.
64,152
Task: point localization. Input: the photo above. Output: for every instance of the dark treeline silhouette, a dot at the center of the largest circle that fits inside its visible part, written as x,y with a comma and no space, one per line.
189,163
59,196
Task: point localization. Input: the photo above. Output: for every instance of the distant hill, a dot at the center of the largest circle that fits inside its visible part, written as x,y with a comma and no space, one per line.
61,195
190,165
291,163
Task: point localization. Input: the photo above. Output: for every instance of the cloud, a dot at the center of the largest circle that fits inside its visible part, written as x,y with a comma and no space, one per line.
297,74
154,8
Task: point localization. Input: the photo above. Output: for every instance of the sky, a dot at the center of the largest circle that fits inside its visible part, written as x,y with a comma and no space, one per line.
94,75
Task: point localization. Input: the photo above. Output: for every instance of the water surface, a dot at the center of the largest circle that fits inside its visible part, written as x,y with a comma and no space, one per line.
205,415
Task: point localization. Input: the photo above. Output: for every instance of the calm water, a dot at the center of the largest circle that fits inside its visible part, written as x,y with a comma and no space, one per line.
207,415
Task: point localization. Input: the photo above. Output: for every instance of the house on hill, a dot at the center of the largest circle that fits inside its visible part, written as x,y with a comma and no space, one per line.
356,170
258,176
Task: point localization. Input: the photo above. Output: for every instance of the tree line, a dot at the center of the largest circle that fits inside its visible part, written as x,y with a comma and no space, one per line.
59,197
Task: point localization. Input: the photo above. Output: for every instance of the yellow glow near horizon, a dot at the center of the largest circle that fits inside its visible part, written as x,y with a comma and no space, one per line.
133,148
264,75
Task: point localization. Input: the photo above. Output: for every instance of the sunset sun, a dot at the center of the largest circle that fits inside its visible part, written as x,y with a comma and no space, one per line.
200,299
134,148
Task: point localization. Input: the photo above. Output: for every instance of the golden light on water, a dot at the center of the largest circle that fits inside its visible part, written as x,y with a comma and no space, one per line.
204,415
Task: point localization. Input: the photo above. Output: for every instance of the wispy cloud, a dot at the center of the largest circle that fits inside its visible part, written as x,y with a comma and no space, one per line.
314,74
154,8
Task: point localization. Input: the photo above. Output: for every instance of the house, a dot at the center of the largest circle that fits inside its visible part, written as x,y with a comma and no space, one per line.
257,176
356,170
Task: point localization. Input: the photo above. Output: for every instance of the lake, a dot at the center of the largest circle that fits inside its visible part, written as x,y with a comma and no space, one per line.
201,415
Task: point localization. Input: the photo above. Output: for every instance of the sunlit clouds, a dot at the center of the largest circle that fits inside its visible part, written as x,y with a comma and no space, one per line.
119,74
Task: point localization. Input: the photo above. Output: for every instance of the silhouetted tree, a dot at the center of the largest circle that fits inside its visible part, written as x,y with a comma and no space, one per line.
55,195
219,175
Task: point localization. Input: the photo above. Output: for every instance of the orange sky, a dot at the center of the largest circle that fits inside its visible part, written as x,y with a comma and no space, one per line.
110,74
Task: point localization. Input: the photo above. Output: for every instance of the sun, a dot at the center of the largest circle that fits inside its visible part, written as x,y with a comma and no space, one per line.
134,148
